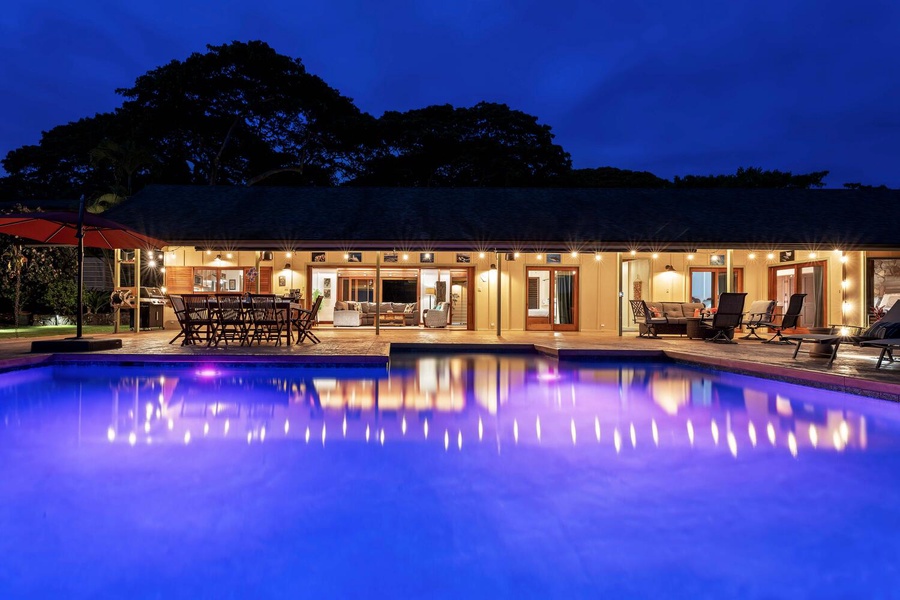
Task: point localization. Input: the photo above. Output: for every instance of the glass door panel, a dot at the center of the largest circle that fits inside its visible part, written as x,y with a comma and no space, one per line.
551,300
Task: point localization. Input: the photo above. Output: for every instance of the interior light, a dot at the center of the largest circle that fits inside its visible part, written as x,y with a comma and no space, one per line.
346,256
690,257
574,254
752,256
598,257
481,255
812,254
208,252
770,256
288,254
539,256
655,256
406,257
515,255
633,252
229,256
844,259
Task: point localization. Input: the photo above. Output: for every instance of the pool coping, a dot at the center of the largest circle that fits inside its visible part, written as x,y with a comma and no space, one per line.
830,381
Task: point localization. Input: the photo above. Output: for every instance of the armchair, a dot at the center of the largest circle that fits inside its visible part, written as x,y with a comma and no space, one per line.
437,316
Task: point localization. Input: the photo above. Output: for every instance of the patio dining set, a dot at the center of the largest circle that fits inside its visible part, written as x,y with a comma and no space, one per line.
243,320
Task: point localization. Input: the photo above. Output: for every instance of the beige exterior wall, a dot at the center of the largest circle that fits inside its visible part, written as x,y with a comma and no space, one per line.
598,298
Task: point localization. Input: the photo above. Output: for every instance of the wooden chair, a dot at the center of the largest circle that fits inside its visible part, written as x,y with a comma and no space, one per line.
304,320
199,320
267,320
178,306
786,321
729,312
232,319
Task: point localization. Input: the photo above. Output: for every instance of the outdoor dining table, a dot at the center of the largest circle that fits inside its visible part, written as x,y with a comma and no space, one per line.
290,311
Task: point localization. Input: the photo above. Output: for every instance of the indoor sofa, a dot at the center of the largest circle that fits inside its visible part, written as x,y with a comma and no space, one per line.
355,314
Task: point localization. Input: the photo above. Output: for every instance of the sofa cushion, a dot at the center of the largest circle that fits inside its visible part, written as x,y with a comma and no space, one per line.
673,310
340,305
398,307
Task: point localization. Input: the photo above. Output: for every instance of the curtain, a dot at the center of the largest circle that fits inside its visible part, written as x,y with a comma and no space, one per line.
565,289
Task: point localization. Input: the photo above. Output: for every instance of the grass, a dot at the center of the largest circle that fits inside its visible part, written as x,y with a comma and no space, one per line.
9,333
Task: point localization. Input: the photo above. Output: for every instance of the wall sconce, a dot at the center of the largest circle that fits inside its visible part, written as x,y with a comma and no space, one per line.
218,257
287,266
670,268
493,267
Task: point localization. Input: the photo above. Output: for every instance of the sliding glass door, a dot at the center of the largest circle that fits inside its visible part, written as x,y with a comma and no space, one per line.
708,282
552,299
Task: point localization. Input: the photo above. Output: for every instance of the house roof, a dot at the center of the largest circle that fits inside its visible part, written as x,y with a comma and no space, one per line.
512,218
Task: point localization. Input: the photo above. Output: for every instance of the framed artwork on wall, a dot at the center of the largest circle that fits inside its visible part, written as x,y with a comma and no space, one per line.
426,257
354,257
717,260
232,284
318,257
391,258
554,259
281,282
463,257
786,256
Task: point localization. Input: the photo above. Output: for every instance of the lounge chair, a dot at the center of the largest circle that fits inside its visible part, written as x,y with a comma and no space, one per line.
887,345
760,311
880,334
786,321
729,313
178,306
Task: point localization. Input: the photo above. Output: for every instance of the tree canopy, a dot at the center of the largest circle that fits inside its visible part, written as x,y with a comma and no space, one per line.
488,145
242,114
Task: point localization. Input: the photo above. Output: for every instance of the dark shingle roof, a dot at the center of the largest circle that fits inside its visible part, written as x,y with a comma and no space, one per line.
505,218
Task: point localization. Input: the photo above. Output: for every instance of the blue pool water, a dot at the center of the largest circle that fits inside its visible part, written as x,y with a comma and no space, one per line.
459,477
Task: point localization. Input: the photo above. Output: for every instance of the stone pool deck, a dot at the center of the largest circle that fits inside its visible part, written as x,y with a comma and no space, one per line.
853,370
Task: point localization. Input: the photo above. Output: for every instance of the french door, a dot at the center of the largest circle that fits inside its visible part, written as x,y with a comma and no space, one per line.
803,278
552,299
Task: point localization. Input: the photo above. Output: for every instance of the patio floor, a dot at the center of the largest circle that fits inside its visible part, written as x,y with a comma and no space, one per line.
853,370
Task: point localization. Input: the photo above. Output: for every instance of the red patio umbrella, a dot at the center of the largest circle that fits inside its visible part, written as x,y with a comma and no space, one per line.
61,228
75,229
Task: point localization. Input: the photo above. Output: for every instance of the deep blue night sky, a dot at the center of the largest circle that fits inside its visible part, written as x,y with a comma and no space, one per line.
674,88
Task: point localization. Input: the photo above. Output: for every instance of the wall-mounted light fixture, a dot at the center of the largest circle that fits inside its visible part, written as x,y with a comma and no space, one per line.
670,268
287,266
493,267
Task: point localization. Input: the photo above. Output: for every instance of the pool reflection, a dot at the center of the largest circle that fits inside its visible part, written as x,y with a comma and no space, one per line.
449,400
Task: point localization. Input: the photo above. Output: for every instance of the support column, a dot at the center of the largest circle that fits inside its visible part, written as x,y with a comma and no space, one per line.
378,292
499,294
137,289
729,270
620,293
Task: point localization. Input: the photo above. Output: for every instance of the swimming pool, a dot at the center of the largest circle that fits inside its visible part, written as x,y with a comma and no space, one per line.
443,476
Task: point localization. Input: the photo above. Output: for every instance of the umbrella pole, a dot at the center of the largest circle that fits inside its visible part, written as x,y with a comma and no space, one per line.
80,298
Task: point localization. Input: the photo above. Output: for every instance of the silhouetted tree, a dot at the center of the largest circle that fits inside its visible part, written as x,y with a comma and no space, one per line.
753,177
241,113
861,186
488,145
610,177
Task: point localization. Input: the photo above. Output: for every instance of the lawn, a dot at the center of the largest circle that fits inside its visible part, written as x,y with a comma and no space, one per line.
9,333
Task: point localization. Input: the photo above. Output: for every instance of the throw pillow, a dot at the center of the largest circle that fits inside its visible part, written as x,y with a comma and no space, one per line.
410,308
657,314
